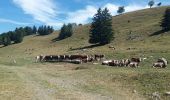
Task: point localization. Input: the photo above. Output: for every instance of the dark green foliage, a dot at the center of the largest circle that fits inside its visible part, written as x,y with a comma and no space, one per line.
101,29
62,34
45,30
28,30
34,30
66,31
69,30
18,35
6,40
165,24
121,10
11,34
159,4
50,29
151,3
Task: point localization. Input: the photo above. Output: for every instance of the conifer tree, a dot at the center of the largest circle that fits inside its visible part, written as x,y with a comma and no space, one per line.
62,32
69,30
151,3
101,29
28,30
121,10
6,40
66,31
34,30
165,24
19,35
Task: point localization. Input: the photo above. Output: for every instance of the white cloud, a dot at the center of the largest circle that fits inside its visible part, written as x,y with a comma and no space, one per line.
41,10
81,16
112,8
46,11
134,7
2,20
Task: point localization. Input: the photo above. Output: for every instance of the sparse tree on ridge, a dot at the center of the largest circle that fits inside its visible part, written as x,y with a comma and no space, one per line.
121,10
159,4
101,29
165,24
151,3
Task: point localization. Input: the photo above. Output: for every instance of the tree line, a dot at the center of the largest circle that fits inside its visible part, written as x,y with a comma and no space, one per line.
18,34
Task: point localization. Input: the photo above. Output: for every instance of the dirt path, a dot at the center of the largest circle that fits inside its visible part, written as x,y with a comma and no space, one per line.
39,84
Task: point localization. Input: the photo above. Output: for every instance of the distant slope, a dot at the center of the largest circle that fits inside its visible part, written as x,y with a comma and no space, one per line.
141,23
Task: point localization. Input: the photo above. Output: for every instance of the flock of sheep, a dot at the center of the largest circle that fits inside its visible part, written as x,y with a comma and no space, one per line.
79,59
134,62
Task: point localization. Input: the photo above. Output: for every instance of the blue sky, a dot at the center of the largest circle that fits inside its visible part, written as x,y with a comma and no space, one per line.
16,13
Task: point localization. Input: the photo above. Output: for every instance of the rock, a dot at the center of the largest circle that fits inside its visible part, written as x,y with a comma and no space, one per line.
156,96
14,61
95,63
134,91
112,47
167,93
84,50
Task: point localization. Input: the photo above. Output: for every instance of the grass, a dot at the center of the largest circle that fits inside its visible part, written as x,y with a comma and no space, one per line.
28,80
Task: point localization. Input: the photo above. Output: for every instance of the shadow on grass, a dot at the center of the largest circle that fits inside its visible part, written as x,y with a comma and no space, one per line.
86,47
2,46
56,39
158,33
36,35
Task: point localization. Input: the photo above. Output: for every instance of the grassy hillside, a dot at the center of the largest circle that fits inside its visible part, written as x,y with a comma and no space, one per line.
62,81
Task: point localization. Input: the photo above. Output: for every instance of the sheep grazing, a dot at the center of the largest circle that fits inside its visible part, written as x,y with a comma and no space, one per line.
161,63
114,63
106,62
134,64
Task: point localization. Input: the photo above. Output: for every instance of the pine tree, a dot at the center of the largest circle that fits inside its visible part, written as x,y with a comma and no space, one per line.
62,32
11,35
66,31
51,29
45,30
6,40
165,24
101,29
159,4
95,30
121,10
34,30
19,35
151,3
69,30
28,30
40,30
